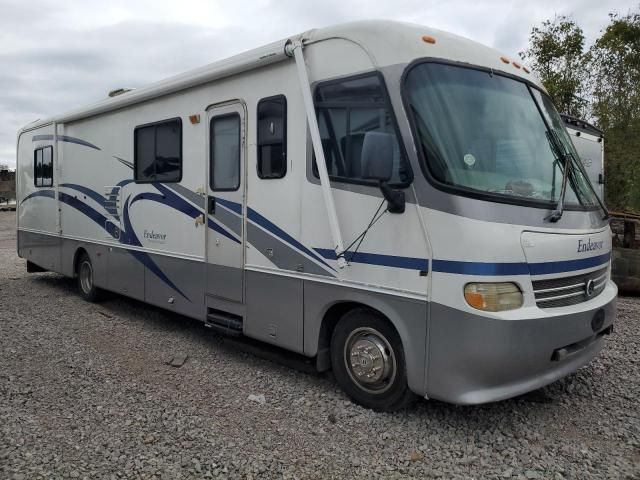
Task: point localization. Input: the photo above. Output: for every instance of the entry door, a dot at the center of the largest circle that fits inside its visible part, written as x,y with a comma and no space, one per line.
225,200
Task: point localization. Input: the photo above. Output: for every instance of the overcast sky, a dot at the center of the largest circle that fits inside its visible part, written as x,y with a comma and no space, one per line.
55,56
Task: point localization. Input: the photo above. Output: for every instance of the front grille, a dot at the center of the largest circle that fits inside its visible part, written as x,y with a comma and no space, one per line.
561,292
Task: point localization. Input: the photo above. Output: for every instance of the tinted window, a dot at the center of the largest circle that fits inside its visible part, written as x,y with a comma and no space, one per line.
145,153
37,165
347,110
43,167
272,137
225,152
158,152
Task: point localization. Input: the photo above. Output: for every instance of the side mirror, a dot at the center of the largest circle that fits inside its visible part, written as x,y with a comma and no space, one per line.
377,158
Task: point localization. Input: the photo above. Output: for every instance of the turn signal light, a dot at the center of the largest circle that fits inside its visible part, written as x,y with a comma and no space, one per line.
493,297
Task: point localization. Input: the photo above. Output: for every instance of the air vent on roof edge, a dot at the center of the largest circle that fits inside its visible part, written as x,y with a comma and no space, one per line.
119,91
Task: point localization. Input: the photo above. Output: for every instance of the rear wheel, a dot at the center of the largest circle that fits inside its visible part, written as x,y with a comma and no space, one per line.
368,361
86,287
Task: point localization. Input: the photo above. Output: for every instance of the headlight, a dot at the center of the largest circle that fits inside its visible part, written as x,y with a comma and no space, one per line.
493,297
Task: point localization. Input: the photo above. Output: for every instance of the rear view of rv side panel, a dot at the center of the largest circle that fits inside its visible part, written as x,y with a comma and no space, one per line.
38,215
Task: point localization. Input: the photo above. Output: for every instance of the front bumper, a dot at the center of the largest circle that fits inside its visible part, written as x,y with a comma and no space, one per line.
476,359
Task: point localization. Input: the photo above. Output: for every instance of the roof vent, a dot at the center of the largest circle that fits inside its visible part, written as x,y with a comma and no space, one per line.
119,91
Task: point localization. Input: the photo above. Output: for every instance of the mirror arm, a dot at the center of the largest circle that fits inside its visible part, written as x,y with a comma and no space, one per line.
395,198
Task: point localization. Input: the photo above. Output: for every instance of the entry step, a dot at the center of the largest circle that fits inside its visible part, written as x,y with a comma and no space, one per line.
224,322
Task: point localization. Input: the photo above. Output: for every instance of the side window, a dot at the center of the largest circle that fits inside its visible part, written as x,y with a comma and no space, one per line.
272,137
347,110
37,167
158,152
43,167
224,168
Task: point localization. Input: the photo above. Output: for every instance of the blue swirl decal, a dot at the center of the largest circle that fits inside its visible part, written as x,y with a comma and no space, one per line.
39,193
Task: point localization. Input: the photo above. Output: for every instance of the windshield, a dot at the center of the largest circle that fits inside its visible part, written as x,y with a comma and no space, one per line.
485,132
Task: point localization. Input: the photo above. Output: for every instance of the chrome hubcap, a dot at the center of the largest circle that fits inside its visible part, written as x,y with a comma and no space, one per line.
370,360
86,277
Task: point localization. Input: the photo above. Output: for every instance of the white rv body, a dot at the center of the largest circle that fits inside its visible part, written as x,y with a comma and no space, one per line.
266,258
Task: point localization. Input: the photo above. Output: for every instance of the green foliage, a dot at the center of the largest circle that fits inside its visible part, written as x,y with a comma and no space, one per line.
615,63
556,52
615,85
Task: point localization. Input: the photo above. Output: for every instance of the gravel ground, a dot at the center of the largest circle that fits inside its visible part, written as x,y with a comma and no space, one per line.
86,392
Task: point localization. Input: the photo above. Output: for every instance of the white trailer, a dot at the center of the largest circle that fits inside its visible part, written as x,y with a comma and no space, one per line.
443,244
589,143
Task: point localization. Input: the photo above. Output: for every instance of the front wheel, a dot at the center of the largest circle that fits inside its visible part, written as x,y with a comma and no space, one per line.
86,287
368,361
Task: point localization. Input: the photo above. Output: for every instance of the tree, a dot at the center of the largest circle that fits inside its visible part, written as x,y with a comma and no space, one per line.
615,85
556,53
615,65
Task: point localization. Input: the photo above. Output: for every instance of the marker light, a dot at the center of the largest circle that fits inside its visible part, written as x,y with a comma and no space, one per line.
504,59
516,64
428,39
493,297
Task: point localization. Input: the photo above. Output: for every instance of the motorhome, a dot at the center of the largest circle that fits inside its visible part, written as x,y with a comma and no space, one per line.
397,203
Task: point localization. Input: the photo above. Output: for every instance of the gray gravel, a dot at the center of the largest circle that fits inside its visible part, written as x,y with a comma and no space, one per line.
87,391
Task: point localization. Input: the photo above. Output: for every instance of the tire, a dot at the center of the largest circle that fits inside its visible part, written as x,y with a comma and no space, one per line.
86,285
378,379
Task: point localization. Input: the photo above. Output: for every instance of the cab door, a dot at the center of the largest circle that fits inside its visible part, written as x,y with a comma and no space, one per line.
225,204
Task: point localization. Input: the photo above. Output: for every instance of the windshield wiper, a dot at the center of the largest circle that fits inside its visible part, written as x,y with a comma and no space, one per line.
560,156
561,153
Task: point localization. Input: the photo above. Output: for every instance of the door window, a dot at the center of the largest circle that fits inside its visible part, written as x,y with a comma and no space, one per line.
224,171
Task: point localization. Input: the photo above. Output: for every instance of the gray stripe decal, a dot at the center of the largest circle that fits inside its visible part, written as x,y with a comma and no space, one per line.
284,256
224,216
193,197
228,219
65,138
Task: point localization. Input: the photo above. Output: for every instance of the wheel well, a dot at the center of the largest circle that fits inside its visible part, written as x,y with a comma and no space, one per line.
76,259
331,318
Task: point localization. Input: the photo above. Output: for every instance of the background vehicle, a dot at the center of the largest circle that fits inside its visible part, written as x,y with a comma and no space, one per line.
589,144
